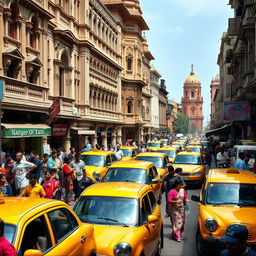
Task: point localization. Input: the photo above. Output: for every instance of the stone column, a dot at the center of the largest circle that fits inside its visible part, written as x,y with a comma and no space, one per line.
67,141
113,141
44,141
104,138
119,137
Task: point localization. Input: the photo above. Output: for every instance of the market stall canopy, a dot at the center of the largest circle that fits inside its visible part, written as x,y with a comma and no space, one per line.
218,130
26,130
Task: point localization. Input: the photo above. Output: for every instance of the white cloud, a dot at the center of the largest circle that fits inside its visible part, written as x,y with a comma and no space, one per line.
198,7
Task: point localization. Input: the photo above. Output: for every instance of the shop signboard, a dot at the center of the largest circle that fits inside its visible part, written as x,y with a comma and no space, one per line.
54,109
237,111
26,132
59,130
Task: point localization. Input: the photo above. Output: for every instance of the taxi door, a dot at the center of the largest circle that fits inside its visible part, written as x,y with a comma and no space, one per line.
153,174
150,230
70,238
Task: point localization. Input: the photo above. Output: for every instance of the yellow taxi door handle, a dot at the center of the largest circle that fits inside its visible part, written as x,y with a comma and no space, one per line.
83,238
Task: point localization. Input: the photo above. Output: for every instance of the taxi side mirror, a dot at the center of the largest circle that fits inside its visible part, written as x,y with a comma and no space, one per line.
152,218
33,253
154,181
195,198
108,164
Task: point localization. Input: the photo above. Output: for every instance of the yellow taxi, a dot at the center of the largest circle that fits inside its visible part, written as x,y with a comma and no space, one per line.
196,148
192,166
129,152
179,144
160,161
153,145
164,142
125,216
227,197
97,163
45,227
135,171
171,152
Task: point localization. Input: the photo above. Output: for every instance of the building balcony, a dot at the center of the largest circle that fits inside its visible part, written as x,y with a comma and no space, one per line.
25,95
103,114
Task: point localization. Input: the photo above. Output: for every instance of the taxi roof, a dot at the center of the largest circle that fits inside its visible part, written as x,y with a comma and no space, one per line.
189,153
153,154
222,175
128,147
116,189
99,153
131,164
168,149
194,146
14,208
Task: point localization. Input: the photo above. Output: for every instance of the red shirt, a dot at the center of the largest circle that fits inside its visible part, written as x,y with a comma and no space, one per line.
49,187
6,248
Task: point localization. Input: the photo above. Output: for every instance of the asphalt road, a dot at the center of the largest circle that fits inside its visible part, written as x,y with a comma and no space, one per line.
187,246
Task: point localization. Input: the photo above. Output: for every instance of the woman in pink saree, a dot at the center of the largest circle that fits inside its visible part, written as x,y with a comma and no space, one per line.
177,198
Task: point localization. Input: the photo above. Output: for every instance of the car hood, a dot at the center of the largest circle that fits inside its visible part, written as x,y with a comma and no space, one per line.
91,169
226,215
107,237
187,168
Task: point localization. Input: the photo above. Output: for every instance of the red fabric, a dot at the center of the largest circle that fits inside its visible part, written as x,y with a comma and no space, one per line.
6,248
3,171
66,169
50,186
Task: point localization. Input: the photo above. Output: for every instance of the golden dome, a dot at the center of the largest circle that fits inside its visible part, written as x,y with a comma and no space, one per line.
192,79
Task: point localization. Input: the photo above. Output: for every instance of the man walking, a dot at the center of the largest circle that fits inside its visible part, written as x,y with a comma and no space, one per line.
35,160
240,164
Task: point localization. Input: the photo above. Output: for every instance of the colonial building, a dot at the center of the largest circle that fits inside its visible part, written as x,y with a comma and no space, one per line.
163,108
215,102
136,59
66,52
192,101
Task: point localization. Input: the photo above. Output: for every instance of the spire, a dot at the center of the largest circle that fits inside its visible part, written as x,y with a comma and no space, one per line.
192,70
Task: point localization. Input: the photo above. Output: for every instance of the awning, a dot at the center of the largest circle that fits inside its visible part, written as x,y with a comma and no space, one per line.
83,131
214,131
26,130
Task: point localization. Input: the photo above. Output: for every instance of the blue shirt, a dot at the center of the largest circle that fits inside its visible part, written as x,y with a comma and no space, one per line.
248,253
240,164
51,164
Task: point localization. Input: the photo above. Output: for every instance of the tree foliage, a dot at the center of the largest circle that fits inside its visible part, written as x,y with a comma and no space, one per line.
181,124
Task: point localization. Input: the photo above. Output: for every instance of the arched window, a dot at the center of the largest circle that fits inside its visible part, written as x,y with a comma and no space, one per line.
129,107
129,62
12,22
32,33
192,94
193,111
62,73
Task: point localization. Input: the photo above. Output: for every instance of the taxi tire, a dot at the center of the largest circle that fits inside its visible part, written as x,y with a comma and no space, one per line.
201,245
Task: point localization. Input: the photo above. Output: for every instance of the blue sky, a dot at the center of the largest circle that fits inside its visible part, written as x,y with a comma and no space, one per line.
185,32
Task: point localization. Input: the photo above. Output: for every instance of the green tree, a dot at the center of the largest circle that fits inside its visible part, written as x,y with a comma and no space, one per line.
181,124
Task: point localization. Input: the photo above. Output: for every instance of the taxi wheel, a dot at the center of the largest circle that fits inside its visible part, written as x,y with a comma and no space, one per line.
201,246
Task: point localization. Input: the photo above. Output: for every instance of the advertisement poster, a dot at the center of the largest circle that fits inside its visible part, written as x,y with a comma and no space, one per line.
237,111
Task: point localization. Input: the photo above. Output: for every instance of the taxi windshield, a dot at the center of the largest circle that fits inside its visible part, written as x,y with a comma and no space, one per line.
127,152
107,210
9,232
188,159
126,175
250,152
93,160
198,150
154,144
169,153
231,193
158,161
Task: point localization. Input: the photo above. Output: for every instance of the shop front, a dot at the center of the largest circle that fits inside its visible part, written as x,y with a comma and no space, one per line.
25,137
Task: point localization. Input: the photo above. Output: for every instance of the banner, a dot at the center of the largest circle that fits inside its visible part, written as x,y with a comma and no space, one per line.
26,132
59,130
54,109
237,111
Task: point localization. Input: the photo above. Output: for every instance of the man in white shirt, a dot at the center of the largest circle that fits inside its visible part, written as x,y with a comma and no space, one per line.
118,153
222,157
21,170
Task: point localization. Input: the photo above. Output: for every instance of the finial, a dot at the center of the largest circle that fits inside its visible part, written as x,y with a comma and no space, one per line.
192,69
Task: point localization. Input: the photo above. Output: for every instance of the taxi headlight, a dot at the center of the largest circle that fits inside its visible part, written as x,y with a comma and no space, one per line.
211,225
123,249
196,173
96,175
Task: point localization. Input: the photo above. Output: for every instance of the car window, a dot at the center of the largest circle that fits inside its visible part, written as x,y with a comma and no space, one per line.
155,171
62,223
113,158
145,209
150,175
152,200
36,236
108,160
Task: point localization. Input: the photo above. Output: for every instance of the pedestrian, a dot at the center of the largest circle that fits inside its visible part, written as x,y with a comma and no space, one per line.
5,187
36,161
72,153
78,167
169,180
67,181
33,190
246,161
8,166
51,186
118,153
6,248
53,164
110,147
89,146
44,168
235,240
222,157
177,198
84,149
21,170
240,164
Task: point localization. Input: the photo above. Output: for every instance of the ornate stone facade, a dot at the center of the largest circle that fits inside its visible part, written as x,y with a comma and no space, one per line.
192,101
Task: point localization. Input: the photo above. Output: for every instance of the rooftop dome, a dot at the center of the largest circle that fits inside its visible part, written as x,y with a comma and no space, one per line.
192,79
